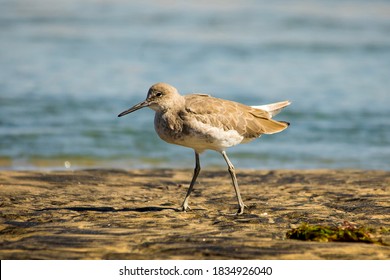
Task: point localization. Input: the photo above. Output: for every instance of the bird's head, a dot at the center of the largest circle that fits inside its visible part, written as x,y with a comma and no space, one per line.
161,97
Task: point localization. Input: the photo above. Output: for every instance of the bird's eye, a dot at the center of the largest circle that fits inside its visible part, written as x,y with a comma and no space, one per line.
158,94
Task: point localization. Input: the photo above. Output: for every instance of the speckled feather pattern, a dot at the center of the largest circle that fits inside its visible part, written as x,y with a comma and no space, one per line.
206,122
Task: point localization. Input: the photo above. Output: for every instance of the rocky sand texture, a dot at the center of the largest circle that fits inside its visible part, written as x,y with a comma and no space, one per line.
118,214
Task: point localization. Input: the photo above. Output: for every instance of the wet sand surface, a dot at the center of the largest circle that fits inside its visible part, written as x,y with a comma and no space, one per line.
120,214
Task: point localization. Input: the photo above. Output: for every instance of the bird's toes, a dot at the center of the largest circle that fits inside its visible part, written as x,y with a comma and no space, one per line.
184,208
240,210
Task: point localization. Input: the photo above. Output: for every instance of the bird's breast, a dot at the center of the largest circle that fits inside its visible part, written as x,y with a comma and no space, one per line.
168,127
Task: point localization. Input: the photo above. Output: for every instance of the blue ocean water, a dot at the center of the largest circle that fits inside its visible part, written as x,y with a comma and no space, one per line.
68,67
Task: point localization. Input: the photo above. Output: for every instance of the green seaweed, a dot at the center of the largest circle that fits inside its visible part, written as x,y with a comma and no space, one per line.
343,233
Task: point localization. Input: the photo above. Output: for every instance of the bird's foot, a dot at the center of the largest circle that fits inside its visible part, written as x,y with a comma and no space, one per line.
240,210
184,208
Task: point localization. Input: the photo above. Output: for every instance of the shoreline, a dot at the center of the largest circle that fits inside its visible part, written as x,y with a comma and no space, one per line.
91,163
131,214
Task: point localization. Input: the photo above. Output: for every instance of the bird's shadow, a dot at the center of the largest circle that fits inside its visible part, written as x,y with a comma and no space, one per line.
111,209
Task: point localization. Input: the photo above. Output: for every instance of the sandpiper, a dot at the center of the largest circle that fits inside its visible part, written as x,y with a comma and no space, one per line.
203,122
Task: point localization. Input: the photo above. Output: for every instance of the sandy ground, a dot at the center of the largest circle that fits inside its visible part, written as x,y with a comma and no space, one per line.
118,214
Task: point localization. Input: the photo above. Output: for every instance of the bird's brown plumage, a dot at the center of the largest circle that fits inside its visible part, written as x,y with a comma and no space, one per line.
229,115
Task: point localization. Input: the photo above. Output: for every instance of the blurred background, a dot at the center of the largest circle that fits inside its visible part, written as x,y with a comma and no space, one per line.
68,67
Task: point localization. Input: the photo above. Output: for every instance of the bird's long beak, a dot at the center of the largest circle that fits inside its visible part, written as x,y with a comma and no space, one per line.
135,108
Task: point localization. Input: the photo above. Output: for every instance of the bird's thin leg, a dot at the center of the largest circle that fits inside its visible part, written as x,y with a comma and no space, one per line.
241,204
185,206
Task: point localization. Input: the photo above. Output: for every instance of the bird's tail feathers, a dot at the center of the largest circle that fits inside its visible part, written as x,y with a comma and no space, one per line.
274,108
271,126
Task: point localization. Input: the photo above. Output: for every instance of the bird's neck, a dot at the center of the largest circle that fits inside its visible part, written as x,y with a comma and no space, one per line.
173,107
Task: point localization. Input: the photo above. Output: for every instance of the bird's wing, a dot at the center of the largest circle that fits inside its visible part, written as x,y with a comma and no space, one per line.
229,115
